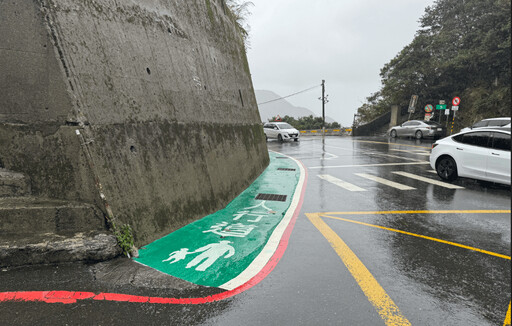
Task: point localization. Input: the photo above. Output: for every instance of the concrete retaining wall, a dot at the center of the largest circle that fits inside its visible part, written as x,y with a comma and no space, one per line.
160,92
378,125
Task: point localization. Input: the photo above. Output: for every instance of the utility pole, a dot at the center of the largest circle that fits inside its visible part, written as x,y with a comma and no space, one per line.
323,105
324,101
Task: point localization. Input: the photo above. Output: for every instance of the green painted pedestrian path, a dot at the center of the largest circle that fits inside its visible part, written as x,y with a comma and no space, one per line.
226,249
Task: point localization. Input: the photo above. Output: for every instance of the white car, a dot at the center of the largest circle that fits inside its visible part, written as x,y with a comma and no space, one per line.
478,154
490,123
281,131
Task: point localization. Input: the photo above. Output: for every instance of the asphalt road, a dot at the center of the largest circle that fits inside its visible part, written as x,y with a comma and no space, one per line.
375,244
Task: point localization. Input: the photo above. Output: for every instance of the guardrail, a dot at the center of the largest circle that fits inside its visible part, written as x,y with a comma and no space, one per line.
329,132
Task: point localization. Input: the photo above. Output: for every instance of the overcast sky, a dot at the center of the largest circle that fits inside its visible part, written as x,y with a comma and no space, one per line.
294,44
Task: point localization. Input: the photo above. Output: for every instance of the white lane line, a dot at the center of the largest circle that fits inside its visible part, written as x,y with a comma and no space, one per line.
367,165
384,181
340,183
425,153
329,158
431,181
432,171
394,156
316,156
371,153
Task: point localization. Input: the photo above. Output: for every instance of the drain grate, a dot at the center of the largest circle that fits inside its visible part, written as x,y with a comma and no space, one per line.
271,197
285,169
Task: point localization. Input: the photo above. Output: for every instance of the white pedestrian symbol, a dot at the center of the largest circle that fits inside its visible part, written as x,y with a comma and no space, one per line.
209,254
177,255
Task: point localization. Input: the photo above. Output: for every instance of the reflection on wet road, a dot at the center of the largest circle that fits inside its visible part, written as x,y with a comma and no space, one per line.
439,251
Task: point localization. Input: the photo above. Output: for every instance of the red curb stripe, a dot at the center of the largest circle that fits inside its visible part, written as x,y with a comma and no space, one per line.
68,297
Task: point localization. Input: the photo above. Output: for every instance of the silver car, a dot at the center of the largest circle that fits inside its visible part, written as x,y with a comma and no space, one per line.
418,129
490,123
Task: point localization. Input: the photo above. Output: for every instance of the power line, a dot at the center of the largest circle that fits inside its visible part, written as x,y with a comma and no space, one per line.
277,99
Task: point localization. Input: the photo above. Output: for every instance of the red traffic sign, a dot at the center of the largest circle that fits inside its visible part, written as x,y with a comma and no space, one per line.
429,108
456,101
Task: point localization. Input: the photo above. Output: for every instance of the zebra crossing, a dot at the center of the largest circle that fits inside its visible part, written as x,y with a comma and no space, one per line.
415,152
352,187
340,183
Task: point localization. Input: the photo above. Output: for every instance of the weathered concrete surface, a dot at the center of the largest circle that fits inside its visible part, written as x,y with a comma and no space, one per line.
13,183
160,92
48,248
24,215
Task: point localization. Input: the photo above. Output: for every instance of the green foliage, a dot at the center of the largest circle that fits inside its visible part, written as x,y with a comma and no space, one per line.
239,11
462,49
307,123
124,236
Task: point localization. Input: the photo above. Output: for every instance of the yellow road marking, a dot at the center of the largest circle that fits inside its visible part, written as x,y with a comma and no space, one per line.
463,211
507,317
384,305
393,144
420,236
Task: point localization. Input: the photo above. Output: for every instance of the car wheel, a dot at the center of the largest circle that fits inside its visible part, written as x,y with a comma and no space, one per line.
418,134
280,138
296,139
393,133
446,168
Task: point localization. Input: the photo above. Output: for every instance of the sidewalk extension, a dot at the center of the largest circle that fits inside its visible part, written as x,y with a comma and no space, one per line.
228,248
250,260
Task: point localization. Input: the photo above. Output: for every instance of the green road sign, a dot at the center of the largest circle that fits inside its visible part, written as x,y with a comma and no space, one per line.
219,250
441,107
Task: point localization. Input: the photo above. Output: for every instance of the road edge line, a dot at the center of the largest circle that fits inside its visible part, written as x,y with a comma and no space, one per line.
455,244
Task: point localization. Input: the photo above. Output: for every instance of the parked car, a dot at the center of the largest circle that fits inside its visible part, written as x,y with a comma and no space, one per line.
490,123
281,131
477,154
418,129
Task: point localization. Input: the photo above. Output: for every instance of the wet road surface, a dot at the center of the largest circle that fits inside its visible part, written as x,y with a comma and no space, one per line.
376,242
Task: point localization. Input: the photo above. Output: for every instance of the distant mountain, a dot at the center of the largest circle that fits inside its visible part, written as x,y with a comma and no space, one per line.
281,107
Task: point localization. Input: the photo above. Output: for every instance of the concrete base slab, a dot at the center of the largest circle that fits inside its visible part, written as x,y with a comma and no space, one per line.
16,250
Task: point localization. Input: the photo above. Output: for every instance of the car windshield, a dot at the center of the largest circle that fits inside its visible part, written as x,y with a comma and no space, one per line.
479,124
498,123
284,126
